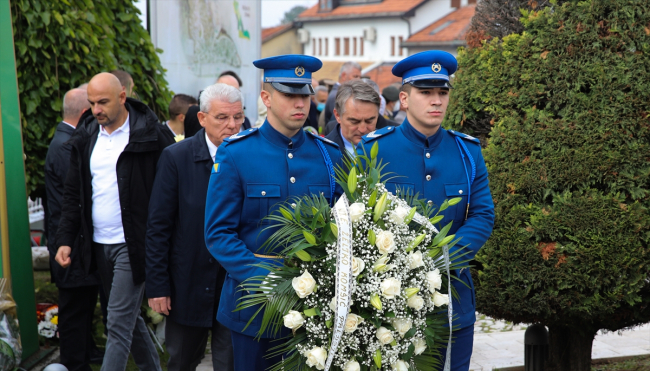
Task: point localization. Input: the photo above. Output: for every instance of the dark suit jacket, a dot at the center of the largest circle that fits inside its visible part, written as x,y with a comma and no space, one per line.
178,262
57,163
192,124
331,101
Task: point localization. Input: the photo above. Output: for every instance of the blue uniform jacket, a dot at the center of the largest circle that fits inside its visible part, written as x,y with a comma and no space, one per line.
433,167
178,264
254,171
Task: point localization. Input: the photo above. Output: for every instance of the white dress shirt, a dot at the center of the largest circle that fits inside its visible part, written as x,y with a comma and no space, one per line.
211,147
349,147
107,213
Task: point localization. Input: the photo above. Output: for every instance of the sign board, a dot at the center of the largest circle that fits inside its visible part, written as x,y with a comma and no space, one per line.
202,38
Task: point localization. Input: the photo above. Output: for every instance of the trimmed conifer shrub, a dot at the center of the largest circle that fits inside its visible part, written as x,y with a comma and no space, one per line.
565,109
60,45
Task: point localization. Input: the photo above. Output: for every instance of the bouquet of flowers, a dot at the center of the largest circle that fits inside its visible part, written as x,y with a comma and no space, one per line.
363,286
49,322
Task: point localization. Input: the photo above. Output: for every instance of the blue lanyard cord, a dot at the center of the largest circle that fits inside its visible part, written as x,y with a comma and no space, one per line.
330,169
463,149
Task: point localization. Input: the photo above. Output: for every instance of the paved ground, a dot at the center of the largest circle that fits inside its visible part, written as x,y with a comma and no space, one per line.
500,345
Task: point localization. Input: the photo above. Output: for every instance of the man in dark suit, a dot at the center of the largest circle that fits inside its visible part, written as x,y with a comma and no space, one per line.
356,112
349,71
183,280
77,291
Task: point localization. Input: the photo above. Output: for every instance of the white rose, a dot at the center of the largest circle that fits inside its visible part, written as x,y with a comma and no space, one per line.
398,215
316,358
415,260
356,211
304,285
385,242
390,287
352,365
440,299
402,326
351,323
420,346
400,366
384,335
434,280
358,265
293,320
416,302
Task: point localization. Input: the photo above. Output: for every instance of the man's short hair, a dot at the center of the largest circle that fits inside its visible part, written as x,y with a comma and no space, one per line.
349,66
233,74
74,104
320,88
357,90
180,104
221,92
125,78
406,88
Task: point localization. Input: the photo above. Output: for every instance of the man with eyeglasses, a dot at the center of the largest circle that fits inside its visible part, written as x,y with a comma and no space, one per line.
183,280
254,172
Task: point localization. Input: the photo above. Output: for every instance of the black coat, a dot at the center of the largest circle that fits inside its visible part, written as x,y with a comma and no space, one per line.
178,262
57,162
330,103
136,169
382,122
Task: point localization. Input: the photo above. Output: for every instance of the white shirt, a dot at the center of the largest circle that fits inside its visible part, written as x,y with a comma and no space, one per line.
348,145
107,214
211,147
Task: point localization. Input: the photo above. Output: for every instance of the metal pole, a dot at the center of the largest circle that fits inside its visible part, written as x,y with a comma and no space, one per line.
15,239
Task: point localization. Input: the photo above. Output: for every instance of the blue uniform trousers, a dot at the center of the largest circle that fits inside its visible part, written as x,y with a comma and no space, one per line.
250,353
461,349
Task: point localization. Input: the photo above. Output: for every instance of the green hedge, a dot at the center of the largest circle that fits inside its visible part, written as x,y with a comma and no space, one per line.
61,44
564,107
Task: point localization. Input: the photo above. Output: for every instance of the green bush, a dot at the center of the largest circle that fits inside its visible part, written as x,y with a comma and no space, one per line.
60,45
564,107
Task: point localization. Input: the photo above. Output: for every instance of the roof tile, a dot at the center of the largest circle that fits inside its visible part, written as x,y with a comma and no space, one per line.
458,23
386,7
270,32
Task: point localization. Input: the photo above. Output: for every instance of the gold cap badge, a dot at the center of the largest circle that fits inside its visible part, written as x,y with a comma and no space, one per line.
299,71
436,67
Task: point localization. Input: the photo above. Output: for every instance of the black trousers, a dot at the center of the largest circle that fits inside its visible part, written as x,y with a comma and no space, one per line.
76,311
186,346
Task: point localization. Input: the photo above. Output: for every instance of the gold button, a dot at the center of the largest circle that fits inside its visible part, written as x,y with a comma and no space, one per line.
428,177
263,193
460,191
430,203
428,155
292,180
290,155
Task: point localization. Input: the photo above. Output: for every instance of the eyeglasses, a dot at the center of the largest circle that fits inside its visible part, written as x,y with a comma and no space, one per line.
224,119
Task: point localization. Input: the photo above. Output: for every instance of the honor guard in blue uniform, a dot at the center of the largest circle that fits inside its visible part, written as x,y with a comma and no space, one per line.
439,164
254,171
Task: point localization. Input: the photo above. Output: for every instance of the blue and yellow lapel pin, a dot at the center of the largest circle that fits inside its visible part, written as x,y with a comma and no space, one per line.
215,168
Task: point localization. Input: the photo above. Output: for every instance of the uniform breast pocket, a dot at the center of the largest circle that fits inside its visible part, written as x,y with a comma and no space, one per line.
401,188
457,212
259,199
321,189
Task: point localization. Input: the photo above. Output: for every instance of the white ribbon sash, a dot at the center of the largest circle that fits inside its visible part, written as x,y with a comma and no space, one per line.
343,290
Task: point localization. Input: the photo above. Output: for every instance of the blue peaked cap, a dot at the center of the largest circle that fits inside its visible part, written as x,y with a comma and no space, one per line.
430,69
290,73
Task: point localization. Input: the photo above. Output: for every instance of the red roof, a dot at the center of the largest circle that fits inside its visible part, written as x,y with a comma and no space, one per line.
386,8
383,75
271,32
450,29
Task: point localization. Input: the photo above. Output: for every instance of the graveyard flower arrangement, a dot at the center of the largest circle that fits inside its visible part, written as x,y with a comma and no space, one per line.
364,285
49,322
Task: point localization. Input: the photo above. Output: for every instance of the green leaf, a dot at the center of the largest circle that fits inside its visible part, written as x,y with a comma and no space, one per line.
454,201
286,213
303,255
410,333
372,237
58,17
352,180
373,198
335,229
312,312
436,219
